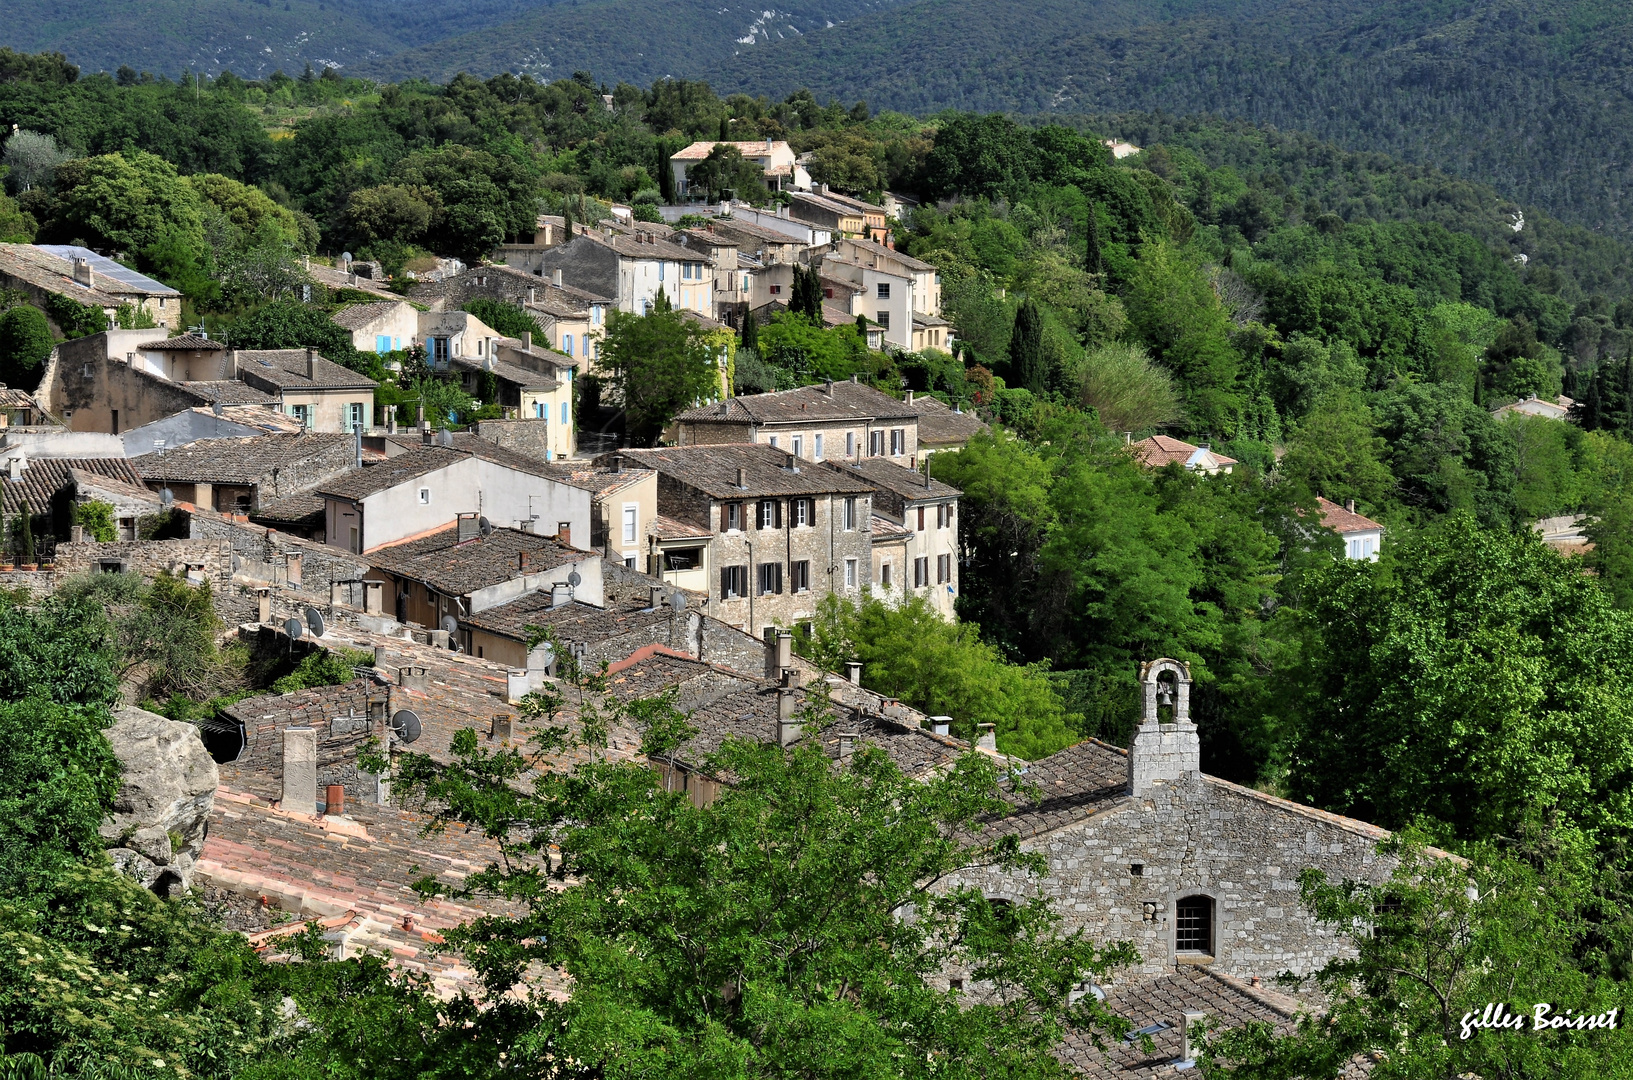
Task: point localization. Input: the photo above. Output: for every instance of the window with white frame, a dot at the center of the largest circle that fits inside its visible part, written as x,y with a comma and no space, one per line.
898,442
773,442
944,569
731,517
921,571
850,512
850,444
632,513
816,447
799,576
425,496
770,579
850,573
799,512
797,445
770,514
733,582
884,290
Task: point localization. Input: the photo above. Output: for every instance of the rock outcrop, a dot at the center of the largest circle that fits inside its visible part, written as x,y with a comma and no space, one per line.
163,807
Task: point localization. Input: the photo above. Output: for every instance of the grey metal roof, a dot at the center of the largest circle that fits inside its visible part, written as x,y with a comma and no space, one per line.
102,266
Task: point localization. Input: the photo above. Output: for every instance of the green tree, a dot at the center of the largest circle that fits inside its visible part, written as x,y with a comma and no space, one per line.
1335,452
1028,367
663,366
1127,391
509,319
910,652
726,170
482,198
751,331
1430,951
125,202
96,518
25,345
1093,261
390,213
1471,675
1172,306
675,921
806,296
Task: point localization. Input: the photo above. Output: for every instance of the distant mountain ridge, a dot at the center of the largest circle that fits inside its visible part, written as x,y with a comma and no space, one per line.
1532,96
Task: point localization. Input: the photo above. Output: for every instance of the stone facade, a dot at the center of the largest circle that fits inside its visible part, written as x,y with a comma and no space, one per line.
1193,870
197,560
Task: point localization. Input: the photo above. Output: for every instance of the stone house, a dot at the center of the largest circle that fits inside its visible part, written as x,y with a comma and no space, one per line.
925,279
1160,450
51,486
731,279
459,571
1193,870
631,269
836,421
316,391
99,383
942,427
837,218
455,333
380,327
780,219
1363,538
240,475
421,491
769,536
775,158
80,275
922,529
756,243
573,320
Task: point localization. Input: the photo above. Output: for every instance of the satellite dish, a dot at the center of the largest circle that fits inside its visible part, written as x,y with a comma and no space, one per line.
405,724
677,600
346,256
314,621
484,526
450,624
166,497
293,628
573,580
547,654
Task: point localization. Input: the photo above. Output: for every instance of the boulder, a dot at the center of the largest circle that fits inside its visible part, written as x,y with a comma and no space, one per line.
162,811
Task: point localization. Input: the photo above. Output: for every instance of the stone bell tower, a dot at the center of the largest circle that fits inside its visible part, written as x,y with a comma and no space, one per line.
1165,749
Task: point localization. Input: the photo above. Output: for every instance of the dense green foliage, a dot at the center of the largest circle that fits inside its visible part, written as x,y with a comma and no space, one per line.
663,364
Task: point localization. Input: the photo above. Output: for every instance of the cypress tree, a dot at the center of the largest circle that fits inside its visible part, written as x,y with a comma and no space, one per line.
27,534
725,129
807,298
666,175
751,332
1093,261
1026,363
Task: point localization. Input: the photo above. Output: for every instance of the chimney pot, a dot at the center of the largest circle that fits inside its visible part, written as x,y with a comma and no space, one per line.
853,672
788,729
527,335
555,277
311,363
379,656
334,800
910,397
501,729
742,479
1349,504
941,725
1187,1047
655,596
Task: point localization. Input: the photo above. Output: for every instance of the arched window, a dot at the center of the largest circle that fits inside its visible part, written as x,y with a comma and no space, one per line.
1193,925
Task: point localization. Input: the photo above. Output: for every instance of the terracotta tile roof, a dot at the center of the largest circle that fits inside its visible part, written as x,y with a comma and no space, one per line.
238,460
941,426
755,148
372,479
90,484
1075,783
286,369
840,402
884,530
357,316
647,245
455,568
910,484
522,377
712,469
229,392
44,478
1160,450
1342,521
185,343
1151,1000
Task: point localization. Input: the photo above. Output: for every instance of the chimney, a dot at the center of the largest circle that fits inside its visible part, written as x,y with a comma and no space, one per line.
986,737
1349,504
427,436
232,364
263,605
655,596
768,145
564,533
16,467
380,657
779,654
466,528
1164,752
555,277
559,594
311,363
910,397
853,672
617,465
847,743
941,725
334,800
357,446
445,437
742,478
527,341
413,678
1188,1049
532,294
300,770
500,731
788,729
83,274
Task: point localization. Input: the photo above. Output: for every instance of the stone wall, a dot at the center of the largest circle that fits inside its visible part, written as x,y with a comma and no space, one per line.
198,559
529,437
1119,873
264,555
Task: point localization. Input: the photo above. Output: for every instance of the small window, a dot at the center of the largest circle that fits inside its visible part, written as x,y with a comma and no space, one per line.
921,519
850,573
733,582
921,571
773,442
797,445
799,512
566,417
425,496
799,576
944,569
882,317
898,442
1136,869
884,290
631,521
770,514
1193,925
850,444
731,518
817,447
567,344
770,583
850,512
776,290
884,575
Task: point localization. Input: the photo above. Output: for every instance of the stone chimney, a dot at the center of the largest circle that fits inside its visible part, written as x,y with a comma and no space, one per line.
83,274
1164,751
779,654
560,594
847,743
555,277
413,678
527,341
788,729
742,478
300,770
1349,504
501,729
986,737
311,363
853,672
654,596
1188,1048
